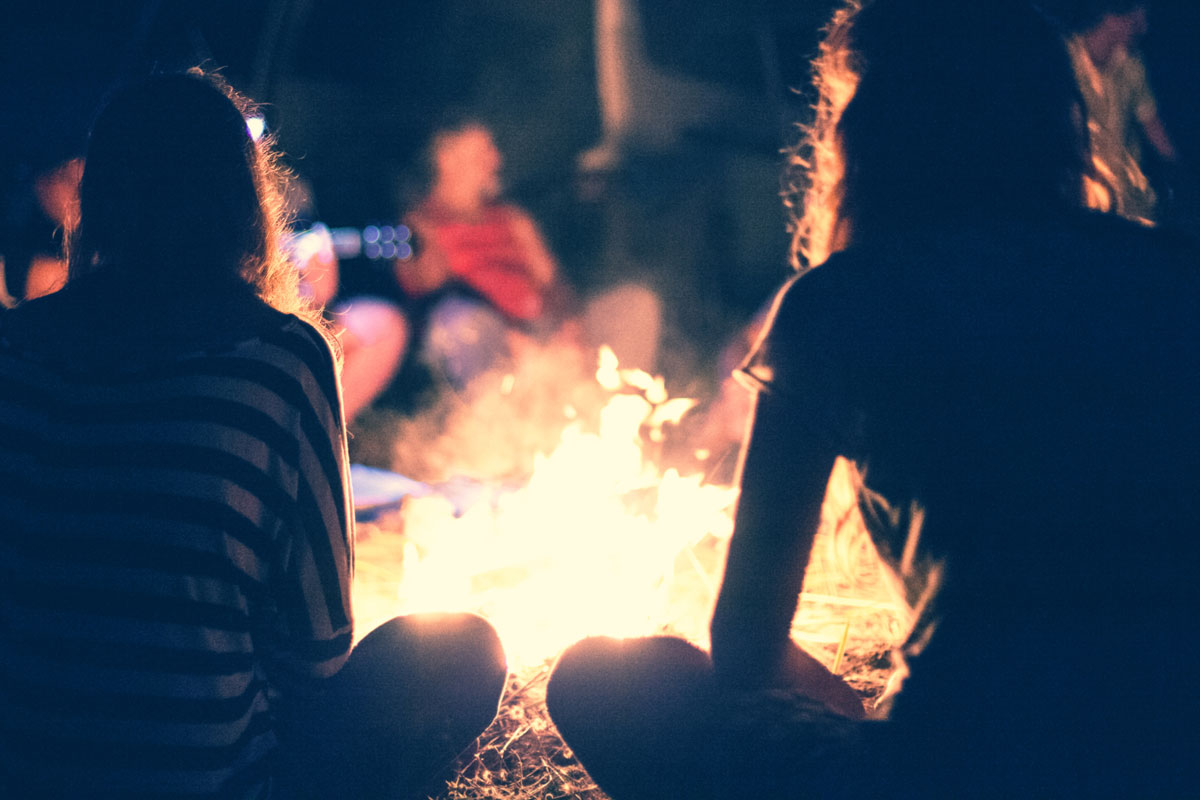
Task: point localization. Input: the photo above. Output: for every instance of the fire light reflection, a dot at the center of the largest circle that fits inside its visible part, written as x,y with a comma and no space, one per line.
601,540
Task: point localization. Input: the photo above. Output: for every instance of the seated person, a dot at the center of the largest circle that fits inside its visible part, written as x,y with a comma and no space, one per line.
1015,380
32,263
1122,112
485,274
176,533
373,331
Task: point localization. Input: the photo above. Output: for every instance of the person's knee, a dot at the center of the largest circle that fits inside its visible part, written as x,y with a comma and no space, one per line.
463,339
373,322
577,685
627,318
622,678
639,302
392,327
580,665
469,641
463,655
634,710
460,640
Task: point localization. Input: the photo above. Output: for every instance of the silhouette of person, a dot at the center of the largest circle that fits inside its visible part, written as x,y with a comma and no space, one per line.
1014,379
1122,111
33,263
485,274
373,331
177,537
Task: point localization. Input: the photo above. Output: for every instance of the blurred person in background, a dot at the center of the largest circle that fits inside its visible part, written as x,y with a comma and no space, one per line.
1015,381
484,277
1121,109
35,223
373,331
176,532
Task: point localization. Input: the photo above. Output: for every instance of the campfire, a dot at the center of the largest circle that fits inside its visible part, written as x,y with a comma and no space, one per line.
579,529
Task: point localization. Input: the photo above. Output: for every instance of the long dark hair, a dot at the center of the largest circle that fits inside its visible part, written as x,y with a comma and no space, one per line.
935,110
177,196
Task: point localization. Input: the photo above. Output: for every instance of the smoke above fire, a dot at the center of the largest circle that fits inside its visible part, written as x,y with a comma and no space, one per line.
544,500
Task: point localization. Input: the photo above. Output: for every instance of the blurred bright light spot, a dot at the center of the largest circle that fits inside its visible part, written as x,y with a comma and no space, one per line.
256,126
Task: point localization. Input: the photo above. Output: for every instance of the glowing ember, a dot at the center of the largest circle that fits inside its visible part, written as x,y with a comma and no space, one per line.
600,540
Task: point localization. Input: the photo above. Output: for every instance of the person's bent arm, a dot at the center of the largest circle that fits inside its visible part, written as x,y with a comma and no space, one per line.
783,474
429,268
313,622
320,272
539,261
1156,134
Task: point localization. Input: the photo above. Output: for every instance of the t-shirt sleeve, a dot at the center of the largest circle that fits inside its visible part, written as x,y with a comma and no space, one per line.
800,357
315,569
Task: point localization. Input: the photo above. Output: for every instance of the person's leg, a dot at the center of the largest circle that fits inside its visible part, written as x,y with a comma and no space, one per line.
374,336
464,337
627,318
637,714
646,721
416,691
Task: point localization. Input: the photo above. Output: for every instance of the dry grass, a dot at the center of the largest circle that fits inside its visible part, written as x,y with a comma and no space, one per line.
491,437
521,755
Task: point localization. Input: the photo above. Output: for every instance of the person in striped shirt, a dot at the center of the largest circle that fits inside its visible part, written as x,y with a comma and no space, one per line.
176,536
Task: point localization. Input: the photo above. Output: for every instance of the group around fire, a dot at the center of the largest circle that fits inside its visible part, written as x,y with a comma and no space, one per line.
984,320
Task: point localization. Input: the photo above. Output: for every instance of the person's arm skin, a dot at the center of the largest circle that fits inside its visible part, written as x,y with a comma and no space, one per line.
784,470
310,622
428,269
540,261
1156,134
320,274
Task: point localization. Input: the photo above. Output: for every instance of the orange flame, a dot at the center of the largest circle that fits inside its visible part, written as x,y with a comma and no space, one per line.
602,541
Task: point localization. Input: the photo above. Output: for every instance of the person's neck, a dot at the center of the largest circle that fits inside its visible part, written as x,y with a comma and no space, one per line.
459,203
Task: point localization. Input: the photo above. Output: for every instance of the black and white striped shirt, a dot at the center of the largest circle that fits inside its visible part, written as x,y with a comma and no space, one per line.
175,543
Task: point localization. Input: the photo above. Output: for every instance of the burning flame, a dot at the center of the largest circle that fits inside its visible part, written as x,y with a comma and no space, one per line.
602,541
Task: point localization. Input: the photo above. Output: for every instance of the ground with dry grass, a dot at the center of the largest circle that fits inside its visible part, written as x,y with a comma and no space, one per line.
521,756
849,616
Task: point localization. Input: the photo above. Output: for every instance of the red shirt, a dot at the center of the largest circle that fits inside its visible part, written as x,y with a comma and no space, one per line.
487,255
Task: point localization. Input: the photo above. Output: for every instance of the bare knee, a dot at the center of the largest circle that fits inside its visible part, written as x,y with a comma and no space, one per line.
373,323
627,318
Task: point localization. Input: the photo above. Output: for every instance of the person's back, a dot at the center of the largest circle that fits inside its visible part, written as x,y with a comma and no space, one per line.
176,540
969,339
1034,387
155,498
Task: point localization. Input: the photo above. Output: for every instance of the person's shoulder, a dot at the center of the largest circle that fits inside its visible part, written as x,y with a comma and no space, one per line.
807,302
510,212
841,268
296,348
796,293
1125,243
292,335
850,276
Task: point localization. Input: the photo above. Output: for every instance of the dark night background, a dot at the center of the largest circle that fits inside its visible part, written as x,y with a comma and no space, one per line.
353,87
